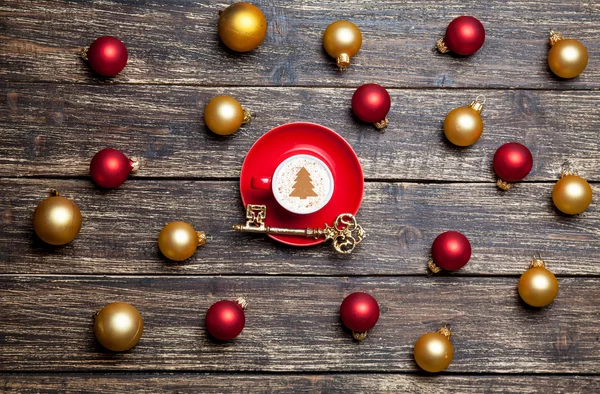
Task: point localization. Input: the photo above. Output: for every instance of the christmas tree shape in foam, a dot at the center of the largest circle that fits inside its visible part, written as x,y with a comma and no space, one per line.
303,187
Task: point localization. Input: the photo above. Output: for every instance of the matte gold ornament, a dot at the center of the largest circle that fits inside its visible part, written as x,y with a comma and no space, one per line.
567,57
224,115
242,27
118,326
342,40
571,194
57,220
433,352
538,286
463,125
178,241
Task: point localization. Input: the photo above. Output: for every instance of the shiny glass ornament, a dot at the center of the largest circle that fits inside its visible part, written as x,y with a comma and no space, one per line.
106,56
109,168
464,36
178,241
342,40
433,351
512,163
538,286
224,115
567,58
242,27
463,125
359,312
371,103
118,326
57,220
225,319
572,194
450,251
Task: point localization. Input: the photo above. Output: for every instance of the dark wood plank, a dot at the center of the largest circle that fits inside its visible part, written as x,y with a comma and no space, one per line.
120,230
176,42
51,130
292,324
333,383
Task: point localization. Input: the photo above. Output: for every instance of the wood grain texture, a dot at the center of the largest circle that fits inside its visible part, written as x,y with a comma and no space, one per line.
176,42
55,114
307,383
292,324
54,130
120,230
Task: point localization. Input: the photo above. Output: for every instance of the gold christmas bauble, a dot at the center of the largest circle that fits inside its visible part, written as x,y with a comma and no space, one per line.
224,115
178,241
538,286
572,194
567,58
433,352
118,326
342,40
463,125
242,27
57,220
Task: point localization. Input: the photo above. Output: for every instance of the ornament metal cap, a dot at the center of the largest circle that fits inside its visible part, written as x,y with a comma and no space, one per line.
434,269
54,193
555,37
477,105
242,301
83,53
202,238
441,46
445,331
382,124
248,116
343,61
359,336
566,169
135,164
537,262
503,184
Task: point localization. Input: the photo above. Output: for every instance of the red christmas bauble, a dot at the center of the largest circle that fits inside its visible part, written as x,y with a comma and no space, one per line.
107,56
359,312
464,35
451,250
371,103
225,320
512,162
109,168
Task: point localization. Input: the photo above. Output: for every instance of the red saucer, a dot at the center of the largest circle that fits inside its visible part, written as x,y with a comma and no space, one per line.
311,139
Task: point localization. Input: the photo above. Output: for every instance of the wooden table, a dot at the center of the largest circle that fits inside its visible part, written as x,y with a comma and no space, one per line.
55,114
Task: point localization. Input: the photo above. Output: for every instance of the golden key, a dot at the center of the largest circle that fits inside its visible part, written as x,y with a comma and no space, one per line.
345,234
